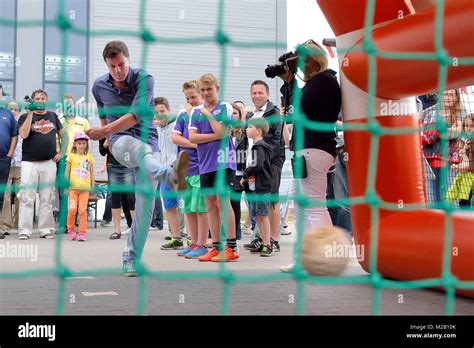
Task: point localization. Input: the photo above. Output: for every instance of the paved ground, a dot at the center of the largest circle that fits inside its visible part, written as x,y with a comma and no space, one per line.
110,293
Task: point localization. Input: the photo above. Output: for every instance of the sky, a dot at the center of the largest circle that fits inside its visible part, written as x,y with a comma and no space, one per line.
306,21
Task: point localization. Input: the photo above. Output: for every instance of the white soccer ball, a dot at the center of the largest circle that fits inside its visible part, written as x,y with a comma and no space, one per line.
326,251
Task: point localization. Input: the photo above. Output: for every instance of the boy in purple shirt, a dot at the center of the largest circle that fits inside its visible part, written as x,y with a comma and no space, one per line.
194,208
206,129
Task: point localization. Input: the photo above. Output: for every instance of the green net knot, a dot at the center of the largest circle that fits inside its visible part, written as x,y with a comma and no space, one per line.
63,23
374,128
376,280
372,199
302,201
369,47
299,274
227,276
63,272
447,206
222,38
147,36
441,126
443,57
141,269
449,281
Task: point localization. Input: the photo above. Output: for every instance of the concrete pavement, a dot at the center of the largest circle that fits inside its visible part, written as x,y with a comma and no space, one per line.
110,293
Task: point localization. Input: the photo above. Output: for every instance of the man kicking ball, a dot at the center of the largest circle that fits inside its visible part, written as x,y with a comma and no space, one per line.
124,98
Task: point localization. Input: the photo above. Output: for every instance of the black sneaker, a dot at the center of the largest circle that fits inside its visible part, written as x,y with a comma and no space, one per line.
275,245
267,251
2,235
254,246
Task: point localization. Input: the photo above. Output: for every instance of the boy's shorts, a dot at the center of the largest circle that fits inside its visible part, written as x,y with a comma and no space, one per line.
260,208
168,202
193,201
208,180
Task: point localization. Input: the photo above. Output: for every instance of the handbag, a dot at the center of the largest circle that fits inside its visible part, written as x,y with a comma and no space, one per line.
304,173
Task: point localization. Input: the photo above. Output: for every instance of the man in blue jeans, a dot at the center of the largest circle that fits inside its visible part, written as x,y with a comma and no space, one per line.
124,98
8,141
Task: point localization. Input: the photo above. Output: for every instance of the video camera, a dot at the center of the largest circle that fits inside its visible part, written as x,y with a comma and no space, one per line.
288,63
31,105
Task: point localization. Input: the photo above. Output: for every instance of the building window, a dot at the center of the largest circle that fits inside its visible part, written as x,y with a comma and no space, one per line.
7,48
75,61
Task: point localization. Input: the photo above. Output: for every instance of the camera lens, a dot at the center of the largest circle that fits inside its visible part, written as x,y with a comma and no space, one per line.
274,70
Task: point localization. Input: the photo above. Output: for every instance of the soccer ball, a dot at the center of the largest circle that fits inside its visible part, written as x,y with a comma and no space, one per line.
326,251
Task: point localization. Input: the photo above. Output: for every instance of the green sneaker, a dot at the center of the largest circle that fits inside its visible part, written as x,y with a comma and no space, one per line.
175,244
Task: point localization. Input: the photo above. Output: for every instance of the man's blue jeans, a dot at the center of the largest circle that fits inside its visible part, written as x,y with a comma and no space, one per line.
341,192
133,153
108,208
157,219
5,163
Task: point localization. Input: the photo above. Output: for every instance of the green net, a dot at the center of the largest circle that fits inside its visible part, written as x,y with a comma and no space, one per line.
301,122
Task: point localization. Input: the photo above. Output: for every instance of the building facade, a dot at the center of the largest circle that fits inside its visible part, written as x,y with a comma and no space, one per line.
34,52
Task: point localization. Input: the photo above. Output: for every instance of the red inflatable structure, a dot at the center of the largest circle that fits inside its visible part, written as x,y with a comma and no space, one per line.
410,243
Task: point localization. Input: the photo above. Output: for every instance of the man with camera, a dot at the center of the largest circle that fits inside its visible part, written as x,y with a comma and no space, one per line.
38,129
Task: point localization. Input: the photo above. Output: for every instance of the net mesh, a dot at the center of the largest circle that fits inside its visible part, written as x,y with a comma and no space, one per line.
301,122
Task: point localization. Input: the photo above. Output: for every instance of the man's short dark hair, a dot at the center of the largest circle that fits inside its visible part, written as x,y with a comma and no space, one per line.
163,101
260,82
260,123
114,48
38,91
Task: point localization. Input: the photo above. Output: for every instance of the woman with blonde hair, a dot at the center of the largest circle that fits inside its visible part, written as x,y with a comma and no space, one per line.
452,113
320,102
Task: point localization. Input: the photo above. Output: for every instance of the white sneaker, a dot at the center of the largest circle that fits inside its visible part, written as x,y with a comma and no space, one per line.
287,269
127,231
48,235
246,230
104,223
284,231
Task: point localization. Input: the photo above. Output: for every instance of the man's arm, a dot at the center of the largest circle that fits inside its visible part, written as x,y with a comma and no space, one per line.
25,128
63,145
125,122
13,144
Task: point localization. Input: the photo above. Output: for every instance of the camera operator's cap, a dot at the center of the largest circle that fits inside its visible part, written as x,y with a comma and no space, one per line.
80,136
